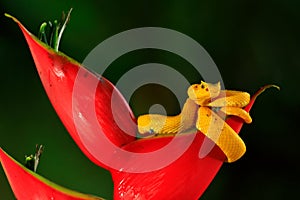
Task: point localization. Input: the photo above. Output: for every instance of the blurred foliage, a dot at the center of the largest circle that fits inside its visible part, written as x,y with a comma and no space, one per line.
252,42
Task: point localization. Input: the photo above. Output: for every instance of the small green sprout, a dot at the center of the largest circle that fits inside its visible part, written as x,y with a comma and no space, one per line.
32,161
51,32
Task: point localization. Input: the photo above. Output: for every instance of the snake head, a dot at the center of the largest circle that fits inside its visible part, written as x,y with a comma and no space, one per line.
202,93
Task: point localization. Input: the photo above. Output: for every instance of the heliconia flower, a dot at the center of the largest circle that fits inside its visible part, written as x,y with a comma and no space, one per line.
187,177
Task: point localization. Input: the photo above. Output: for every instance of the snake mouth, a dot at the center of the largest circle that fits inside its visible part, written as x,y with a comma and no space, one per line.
199,101
194,98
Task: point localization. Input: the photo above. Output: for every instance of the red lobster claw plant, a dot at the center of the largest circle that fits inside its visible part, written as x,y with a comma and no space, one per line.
185,178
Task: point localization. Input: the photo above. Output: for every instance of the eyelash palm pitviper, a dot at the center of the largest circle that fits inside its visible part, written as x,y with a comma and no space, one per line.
206,108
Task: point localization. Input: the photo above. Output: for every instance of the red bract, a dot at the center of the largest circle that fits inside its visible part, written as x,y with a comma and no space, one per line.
185,178
28,185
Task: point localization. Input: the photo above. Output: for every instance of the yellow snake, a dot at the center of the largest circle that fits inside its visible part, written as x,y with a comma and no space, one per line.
205,109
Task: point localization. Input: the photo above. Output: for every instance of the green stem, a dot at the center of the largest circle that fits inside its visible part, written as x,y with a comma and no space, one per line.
54,36
42,33
66,20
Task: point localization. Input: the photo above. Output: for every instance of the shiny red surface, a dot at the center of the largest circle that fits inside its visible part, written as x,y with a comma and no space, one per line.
185,178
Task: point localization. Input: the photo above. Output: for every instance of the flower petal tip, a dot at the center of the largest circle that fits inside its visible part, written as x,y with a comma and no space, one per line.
11,17
27,184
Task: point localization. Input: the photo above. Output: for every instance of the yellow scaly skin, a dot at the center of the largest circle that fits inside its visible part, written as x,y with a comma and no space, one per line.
205,109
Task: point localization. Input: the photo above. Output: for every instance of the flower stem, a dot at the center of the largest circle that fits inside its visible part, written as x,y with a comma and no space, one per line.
32,161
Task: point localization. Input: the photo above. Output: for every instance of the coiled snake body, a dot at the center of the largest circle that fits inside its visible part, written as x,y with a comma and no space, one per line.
205,109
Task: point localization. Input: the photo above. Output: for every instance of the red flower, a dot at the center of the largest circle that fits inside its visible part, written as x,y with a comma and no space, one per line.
111,147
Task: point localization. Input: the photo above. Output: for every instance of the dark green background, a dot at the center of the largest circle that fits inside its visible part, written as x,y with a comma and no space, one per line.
252,42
